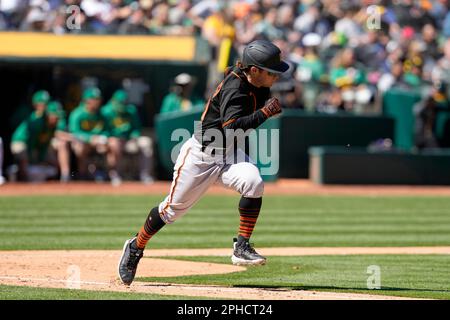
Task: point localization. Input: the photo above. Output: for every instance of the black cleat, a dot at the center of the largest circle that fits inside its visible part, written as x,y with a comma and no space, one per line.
129,261
244,254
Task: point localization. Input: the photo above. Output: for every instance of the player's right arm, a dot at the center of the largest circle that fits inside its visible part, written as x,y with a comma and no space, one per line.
21,134
232,111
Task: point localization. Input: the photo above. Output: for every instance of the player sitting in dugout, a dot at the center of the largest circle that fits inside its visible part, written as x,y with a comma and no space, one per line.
36,145
125,133
181,97
90,133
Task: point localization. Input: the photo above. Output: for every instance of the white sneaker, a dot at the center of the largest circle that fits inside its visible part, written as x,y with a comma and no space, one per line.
244,254
2,180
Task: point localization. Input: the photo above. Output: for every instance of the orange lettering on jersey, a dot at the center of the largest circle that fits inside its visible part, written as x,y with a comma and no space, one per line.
209,100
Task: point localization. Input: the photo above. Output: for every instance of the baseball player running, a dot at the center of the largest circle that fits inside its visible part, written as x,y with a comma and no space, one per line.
241,101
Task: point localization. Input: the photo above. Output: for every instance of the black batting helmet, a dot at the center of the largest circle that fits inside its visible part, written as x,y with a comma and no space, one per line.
265,55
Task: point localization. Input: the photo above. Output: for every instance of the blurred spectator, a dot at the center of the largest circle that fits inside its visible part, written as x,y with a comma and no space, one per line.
100,14
219,30
248,17
219,25
393,78
413,64
350,78
89,129
408,32
12,13
441,72
429,37
330,101
348,24
311,70
306,21
181,99
426,113
159,24
35,142
285,18
135,23
125,133
446,25
372,52
37,17
180,21
267,26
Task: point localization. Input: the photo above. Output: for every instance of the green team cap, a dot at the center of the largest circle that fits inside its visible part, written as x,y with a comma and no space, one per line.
54,108
41,96
120,96
92,93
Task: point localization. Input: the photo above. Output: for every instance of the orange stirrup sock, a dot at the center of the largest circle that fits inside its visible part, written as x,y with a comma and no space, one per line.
249,210
152,225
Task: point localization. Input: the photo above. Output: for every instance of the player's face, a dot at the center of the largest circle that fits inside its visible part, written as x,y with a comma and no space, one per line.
270,78
93,104
52,120
40,107
266,78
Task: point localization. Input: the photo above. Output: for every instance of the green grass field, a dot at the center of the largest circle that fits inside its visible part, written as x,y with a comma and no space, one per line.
27,293
415,276
104,222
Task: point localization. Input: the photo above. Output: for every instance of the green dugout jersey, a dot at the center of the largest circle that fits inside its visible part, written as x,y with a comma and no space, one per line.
36,133
122,121
172,102
83,124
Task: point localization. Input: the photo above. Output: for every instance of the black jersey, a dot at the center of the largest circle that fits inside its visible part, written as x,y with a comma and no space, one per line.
235,104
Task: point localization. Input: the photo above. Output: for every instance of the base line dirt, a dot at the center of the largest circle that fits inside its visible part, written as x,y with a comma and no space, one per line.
96,270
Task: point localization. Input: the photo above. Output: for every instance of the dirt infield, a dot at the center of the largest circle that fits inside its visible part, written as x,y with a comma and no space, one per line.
82,270
281,187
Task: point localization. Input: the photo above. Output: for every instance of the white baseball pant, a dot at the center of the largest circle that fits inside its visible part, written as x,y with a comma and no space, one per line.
195,172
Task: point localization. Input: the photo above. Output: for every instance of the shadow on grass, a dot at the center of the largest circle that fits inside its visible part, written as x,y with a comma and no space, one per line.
281,288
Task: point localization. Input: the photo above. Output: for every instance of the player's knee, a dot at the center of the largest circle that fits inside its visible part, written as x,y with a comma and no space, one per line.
170,213
254,187
81,149
59,144
18,148
145,145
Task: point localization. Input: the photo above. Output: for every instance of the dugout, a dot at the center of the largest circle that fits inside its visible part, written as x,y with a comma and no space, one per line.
339,165
144,65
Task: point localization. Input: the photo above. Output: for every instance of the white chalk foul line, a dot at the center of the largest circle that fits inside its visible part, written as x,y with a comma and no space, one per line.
27,279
